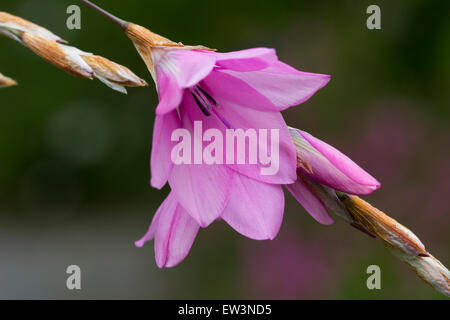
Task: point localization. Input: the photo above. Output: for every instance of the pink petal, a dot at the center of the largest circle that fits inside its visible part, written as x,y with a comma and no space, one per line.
332,168
202,190
255,209
310,202
231,88
284,85
188,67
174,238
247,60
167,207
238,117
170,94
174,232
275,88
177,69
150,235
161,163
246,118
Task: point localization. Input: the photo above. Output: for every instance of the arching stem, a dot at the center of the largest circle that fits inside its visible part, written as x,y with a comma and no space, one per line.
121,23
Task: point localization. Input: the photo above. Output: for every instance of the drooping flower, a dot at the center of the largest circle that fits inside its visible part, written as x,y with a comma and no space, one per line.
70,59
240,90
237,90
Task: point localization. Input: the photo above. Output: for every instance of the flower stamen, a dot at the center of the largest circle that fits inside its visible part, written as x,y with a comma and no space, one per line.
207,95
206,103
201,102
204,100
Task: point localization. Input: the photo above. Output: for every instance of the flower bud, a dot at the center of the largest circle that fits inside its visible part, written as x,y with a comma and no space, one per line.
112,74
64,57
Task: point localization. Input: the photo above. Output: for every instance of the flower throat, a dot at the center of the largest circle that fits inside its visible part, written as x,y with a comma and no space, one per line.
207,104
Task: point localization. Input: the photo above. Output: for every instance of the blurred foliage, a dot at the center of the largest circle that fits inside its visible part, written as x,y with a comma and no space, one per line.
74,154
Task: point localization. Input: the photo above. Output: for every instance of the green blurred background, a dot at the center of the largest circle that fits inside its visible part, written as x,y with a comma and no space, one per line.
74,164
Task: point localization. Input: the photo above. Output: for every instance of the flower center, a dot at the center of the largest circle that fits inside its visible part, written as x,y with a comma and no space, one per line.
203,99
207,104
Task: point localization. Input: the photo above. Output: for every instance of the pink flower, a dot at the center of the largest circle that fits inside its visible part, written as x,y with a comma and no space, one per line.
239,90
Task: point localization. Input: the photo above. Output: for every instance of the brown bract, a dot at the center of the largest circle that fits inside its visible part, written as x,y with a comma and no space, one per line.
54,53
401,241
139,34
301,163
145,40
380,224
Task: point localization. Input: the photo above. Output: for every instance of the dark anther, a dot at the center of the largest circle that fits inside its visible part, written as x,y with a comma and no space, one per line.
201,106
208,96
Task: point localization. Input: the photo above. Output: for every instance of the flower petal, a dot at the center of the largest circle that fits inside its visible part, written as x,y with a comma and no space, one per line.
275,88
169,92
310,202
221,83
283,85
231,116
150,234
188,67
255,209
247,119
166,208
203,190
247,60
174,238
177,69
174,231
330,167
161,163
